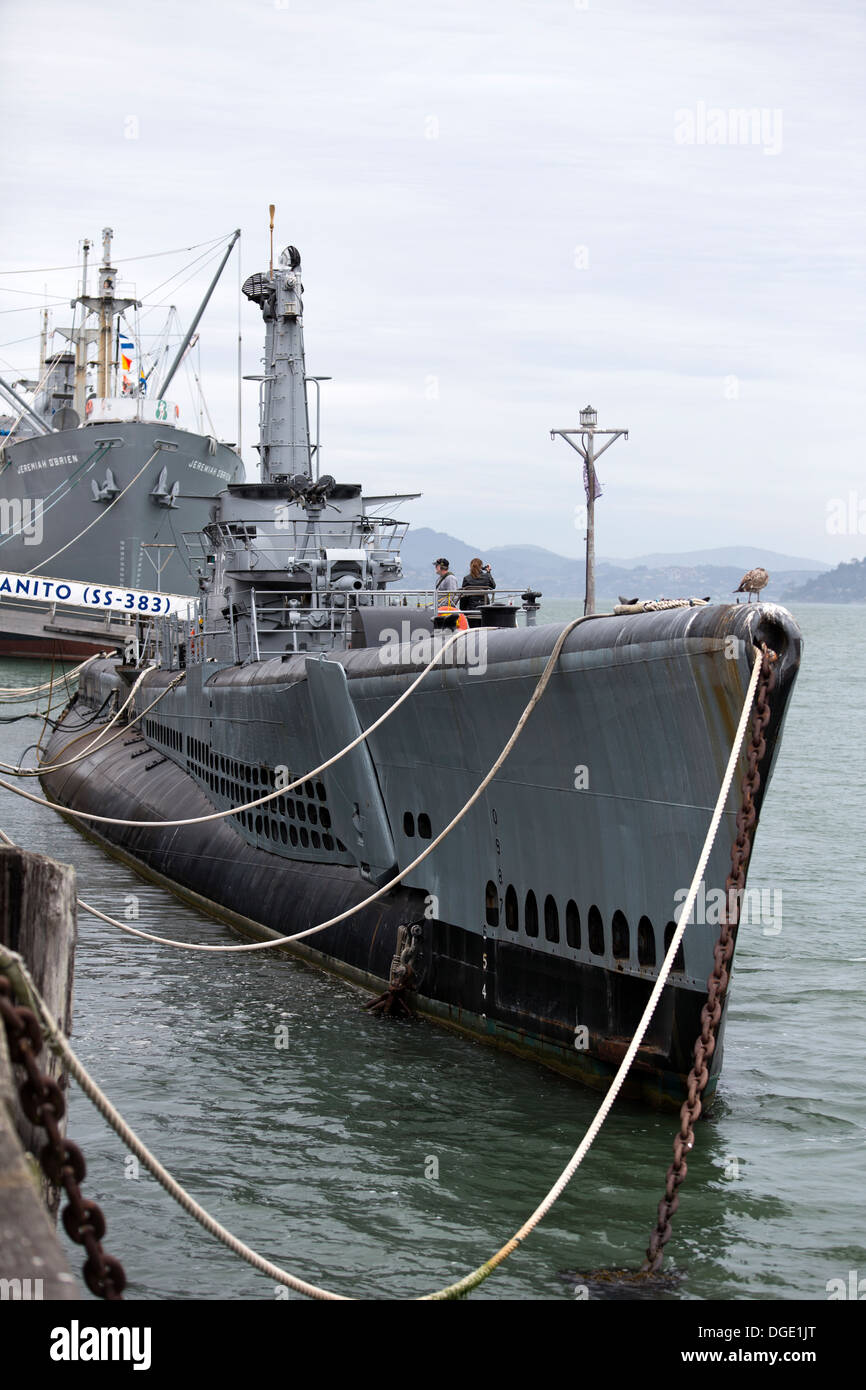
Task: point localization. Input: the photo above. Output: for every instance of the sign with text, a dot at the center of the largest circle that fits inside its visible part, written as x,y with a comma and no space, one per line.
142,603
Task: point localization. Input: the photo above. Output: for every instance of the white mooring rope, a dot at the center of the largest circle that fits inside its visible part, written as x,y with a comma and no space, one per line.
99,516
22,691
278,941
97,745
232,810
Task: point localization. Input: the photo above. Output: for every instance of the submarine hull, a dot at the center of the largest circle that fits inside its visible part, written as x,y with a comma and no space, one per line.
544,915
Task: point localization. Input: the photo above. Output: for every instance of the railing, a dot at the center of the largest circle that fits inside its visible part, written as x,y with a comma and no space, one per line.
86,621
298,539
264,623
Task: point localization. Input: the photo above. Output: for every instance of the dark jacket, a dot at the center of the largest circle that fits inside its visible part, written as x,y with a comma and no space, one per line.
480,590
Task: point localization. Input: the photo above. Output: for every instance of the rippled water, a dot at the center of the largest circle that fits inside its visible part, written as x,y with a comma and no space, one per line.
385,1160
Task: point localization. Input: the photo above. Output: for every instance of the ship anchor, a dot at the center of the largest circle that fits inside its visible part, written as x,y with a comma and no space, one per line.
402,977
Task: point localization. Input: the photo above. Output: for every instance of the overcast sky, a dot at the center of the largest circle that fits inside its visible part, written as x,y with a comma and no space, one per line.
505,211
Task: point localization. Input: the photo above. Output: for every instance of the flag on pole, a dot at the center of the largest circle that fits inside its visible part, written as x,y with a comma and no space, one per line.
597,492
127,354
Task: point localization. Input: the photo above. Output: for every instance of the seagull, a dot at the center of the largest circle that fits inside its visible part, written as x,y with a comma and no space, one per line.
752,582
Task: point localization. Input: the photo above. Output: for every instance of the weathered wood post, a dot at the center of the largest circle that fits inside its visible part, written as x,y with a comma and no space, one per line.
38,921
587,450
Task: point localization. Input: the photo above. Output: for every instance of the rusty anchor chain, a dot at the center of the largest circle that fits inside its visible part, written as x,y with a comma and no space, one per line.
717,983
402,977
62,1161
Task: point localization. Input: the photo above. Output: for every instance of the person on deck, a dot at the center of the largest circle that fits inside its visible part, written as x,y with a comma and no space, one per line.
477,586
445,588
446,599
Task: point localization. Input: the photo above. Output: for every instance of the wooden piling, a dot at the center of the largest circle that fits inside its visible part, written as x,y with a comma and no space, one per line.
38,921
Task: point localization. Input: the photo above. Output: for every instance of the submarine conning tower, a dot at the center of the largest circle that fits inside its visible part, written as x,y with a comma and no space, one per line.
284,426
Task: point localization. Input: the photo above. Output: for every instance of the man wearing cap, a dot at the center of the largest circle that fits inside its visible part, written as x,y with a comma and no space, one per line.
446,612
445,589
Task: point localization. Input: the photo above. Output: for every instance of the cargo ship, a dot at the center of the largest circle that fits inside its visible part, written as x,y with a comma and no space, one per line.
99,477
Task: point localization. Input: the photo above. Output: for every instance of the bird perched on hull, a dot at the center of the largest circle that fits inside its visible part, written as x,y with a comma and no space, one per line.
752,582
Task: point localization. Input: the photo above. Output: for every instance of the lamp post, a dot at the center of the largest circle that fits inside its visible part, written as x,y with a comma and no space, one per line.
585,446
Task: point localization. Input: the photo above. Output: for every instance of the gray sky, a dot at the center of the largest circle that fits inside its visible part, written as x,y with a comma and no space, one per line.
505,211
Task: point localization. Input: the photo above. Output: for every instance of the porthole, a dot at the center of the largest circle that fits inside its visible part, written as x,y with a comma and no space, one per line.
551,919
305,836
325,818
320,791
595,931
491,904
511,913
530,915
284,834
316,839
424,828
646,942
258,825
328,841
572,925
313,814
408,825
293,834
619,936
302,810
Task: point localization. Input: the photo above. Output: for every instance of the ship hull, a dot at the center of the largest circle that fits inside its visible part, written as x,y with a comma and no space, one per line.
15,645
592,828
49,511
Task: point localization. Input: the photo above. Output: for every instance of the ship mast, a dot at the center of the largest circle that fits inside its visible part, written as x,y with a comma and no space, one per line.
108,308
187,338
79,398
43,343
284,426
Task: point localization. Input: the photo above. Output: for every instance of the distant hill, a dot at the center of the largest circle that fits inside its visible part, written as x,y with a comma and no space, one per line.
845,584
558,576
742,557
